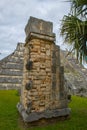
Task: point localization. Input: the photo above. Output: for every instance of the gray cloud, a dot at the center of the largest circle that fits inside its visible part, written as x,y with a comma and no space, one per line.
14,15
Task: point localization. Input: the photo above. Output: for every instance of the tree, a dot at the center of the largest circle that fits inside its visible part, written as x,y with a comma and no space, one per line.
79,7
74,27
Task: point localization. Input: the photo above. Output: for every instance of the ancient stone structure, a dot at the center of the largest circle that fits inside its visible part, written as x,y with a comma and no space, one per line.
42,93
11,69
75,75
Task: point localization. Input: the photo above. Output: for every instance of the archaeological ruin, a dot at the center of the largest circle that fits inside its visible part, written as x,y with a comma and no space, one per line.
42,92
11,69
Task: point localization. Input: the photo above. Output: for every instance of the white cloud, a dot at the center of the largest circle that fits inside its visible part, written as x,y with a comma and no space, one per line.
14,15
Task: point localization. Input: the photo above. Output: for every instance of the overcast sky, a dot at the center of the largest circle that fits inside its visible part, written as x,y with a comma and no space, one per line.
14,15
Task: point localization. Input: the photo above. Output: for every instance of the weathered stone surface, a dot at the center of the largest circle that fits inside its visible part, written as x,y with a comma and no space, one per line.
12,66
42,37
10,72
11,69
35,116
39,26
47,91
10,80
75,75
57,55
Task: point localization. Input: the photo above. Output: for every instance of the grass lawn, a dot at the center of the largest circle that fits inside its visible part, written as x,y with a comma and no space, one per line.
9,116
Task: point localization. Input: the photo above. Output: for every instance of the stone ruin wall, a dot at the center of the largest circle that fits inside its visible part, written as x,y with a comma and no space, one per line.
43,76
11,69
45,83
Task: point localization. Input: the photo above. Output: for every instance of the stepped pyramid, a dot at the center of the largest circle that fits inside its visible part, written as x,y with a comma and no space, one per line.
11,69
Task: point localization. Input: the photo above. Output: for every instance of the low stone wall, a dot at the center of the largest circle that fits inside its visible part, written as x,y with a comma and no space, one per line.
11,69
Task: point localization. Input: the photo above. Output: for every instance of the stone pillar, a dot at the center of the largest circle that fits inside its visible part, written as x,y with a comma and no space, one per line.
42,93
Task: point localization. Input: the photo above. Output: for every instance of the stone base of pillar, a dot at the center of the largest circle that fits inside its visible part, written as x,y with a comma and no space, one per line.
47,114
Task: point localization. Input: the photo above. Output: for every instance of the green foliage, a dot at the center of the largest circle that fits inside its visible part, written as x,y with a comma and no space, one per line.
79,7
74,27
9,117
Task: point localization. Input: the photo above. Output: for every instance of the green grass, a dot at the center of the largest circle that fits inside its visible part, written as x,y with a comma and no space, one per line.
9,116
